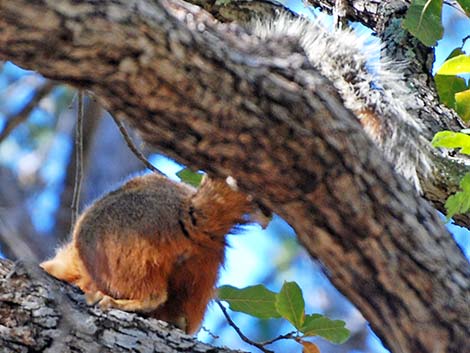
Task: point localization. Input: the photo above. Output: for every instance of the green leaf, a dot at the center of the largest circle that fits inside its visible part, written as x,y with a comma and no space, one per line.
256,301
190,177
332,330
460,201
290,304
423,20
450,139
457,65
462,104
456,52
447,87
465,6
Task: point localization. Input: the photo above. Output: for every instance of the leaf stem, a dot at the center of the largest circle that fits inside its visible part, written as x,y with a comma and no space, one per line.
260,346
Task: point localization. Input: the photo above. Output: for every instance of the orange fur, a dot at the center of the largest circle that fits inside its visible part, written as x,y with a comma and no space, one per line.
371,122
152,246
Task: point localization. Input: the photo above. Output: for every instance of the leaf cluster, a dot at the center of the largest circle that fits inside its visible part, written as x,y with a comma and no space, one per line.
424,21
288,304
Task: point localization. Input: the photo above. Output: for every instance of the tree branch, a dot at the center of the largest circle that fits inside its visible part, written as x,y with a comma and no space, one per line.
139,155
374,14
38,312
215,98
17,236
23,114
414,59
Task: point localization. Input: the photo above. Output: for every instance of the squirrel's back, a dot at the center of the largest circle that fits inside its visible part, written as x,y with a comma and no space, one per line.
150,205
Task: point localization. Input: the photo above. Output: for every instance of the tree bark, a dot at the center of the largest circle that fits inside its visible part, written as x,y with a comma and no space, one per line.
383,18
41,314
415,60
372,13
217,99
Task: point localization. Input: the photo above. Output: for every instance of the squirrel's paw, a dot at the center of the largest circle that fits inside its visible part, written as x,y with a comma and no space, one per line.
92,298
106,302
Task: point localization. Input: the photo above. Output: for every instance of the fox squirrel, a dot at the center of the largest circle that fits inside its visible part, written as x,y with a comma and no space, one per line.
153,246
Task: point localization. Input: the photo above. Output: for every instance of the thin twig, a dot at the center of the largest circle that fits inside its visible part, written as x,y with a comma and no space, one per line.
464,39
78,160
133,147
287,336
239,332
209,332
23,114
456,7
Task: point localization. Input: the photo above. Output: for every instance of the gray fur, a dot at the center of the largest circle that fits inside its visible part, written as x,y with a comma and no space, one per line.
344,58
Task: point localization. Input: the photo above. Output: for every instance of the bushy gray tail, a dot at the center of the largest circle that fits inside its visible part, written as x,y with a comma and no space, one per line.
370,88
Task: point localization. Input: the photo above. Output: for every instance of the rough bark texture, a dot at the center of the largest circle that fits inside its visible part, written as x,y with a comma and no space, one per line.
373,13
384,18
217,99
39,314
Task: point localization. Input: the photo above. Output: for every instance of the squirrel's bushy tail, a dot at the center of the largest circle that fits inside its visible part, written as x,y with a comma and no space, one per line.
370,88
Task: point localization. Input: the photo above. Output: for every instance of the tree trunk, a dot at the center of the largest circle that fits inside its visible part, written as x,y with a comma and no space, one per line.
217,99
41,314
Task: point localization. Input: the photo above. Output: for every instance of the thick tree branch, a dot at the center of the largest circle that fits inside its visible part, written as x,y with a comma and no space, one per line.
39,313
242,11
416,60
372,13
415,63
215,98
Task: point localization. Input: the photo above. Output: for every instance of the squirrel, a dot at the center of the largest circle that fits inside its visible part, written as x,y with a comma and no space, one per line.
153,246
